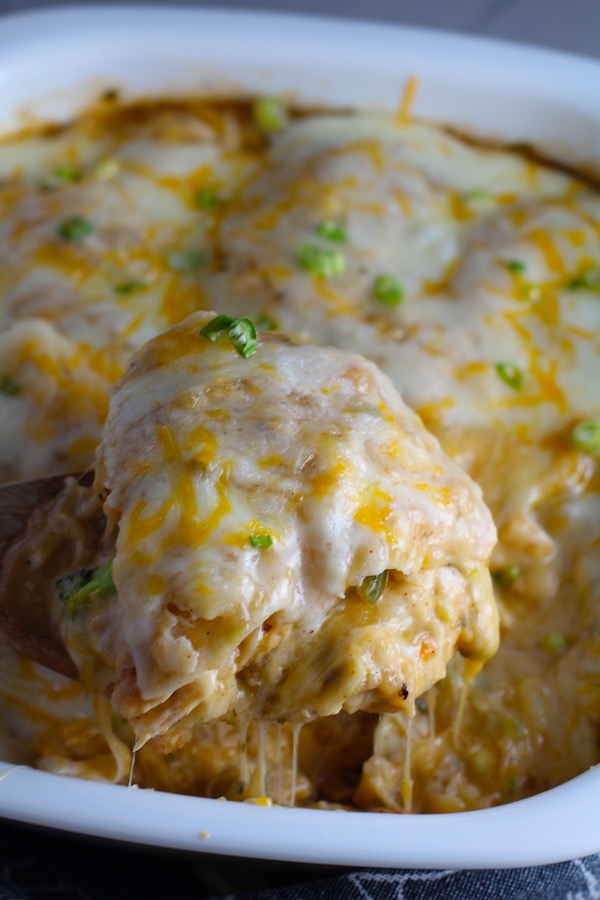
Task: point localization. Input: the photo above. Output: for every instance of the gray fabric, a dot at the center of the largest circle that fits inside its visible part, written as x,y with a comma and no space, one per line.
38,865
577,880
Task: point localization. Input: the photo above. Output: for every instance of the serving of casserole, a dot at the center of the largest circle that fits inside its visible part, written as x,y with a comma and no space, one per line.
286,588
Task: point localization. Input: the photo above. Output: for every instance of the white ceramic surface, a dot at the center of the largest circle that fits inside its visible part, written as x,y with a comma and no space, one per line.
52,64
560,824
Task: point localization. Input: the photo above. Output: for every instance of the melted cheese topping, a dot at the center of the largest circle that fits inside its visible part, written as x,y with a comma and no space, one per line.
203,452
82,304
494,343
448,221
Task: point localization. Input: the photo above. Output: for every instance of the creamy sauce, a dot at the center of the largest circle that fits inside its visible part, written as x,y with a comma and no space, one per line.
491,333
237,587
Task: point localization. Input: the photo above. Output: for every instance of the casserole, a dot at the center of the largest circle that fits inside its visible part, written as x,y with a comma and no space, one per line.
448,92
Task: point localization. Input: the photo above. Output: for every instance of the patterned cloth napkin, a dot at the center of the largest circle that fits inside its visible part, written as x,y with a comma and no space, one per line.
38,865
576,880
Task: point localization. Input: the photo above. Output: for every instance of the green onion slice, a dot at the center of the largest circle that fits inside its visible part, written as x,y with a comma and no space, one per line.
516,266
388,290
507,576
130,287
75,229
270,114
589,281
511,375
215,328
9,386
76,590
241,333
476,194
586,437
321,260
66,173
60,176
531,291
207,198
185,260
372,587
332,231
260,540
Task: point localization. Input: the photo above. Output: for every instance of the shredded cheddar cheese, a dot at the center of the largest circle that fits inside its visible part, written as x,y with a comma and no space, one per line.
492,258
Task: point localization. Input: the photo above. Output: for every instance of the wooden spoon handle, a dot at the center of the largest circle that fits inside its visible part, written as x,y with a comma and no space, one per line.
19,499
25,620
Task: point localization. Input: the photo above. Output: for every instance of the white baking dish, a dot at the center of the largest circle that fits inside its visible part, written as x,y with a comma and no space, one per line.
54,63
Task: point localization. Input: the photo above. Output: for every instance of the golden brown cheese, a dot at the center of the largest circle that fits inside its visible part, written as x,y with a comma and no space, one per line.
531,719
484,328
104,229
251,499
490,330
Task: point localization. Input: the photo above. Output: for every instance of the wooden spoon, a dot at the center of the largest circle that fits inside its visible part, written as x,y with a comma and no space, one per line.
25,621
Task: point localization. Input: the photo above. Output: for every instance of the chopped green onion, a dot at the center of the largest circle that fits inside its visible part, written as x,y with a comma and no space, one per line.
511,375
589,281
372,587
9,386
185,260
207,198
270,114
586,437
215,328
260,540
66,173
554,642
506,577
476,194
60,176
531,291
321,261
332,231
130,287
76,590
266,323
241,333
516,266
388,290
75,229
